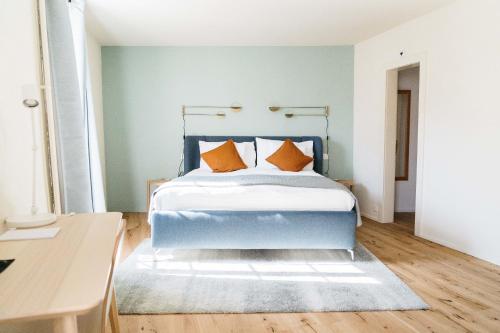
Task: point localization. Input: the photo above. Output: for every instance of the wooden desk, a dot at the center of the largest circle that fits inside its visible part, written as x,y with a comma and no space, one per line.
59,278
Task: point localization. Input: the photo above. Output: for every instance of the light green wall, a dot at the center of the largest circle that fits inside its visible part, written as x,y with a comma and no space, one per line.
144,88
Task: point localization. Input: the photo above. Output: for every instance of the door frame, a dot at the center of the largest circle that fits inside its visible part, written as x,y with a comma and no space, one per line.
389,160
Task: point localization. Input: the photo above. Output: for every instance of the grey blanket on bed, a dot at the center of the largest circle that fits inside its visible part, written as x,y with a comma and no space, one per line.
252,180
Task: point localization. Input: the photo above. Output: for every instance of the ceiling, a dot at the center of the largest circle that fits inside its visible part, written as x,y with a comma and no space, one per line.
248,22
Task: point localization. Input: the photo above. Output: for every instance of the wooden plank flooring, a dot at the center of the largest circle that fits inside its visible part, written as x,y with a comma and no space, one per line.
463,292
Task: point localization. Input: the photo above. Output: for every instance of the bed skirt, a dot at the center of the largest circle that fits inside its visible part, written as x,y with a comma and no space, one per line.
253,229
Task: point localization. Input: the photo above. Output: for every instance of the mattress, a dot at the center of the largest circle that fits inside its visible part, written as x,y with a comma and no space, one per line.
251,198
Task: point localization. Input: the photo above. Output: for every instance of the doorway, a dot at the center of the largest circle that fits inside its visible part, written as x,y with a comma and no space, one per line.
402,178
406,147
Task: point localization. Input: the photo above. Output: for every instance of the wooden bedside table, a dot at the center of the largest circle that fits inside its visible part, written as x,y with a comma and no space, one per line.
153,184
346,182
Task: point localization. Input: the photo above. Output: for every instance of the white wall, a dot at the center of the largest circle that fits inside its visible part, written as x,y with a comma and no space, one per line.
94,59
406,189
18,67
459,47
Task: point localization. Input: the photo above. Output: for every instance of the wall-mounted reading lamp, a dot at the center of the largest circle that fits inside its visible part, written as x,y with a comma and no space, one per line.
291,115
325,114
234,108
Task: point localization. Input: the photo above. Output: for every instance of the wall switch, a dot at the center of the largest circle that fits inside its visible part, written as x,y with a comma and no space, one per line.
325,156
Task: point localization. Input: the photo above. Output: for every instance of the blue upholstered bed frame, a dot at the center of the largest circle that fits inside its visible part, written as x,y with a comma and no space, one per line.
251,229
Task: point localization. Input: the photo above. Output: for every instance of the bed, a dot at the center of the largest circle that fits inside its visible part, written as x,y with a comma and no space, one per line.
252,208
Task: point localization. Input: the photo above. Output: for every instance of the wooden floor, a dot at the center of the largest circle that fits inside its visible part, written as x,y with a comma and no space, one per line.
462,291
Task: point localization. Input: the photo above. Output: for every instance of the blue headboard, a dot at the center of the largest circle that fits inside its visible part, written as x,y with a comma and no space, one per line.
192,148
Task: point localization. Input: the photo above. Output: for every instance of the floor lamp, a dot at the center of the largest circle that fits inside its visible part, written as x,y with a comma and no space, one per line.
34,219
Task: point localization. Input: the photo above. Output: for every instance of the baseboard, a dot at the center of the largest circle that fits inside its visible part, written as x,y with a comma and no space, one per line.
371,217
457,248
481,256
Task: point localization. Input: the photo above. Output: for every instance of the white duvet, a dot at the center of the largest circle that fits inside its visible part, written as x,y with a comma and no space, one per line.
252,198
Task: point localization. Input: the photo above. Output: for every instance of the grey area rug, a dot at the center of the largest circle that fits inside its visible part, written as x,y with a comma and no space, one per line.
248,281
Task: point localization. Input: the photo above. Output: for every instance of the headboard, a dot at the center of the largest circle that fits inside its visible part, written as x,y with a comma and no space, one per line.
192,148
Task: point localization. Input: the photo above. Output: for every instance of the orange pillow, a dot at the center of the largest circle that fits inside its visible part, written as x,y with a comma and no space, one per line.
289,158
224,158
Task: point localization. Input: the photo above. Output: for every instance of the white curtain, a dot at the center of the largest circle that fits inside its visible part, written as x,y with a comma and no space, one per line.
70,120
77,19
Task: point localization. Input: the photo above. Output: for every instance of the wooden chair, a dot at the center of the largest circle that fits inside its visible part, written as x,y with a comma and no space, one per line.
109,303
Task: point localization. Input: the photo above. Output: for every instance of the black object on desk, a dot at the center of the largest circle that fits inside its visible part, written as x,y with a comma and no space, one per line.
5,263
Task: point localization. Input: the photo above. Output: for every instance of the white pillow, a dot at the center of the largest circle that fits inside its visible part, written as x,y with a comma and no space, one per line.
246,150
266,148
